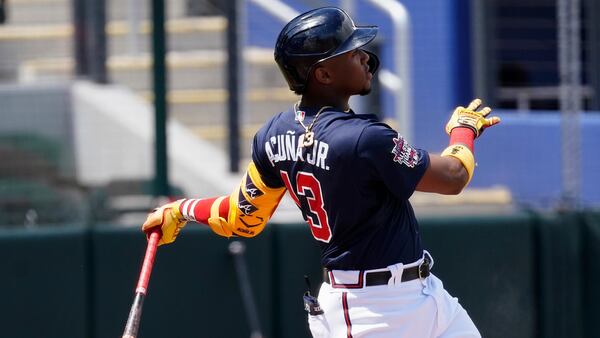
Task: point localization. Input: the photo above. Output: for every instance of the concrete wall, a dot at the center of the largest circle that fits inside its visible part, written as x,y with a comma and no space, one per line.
114,132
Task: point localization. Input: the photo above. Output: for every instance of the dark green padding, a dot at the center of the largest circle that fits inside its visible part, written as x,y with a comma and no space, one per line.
591,273
560,278
193,289
44,282
524,275
488,263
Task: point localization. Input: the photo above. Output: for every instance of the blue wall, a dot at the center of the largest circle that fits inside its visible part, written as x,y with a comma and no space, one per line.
523,153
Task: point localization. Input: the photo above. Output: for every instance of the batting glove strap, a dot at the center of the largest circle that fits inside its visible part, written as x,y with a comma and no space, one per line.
464,155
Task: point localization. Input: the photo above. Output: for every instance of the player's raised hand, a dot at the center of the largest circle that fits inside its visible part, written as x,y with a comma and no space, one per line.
169,219
472,118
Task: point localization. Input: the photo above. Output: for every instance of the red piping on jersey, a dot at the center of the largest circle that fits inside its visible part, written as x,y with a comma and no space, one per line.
346,315
358,285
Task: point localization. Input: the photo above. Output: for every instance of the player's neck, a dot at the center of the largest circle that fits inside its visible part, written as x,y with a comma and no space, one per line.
317,102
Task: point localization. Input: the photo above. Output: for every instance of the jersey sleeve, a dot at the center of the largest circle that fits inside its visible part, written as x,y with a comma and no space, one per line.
389,157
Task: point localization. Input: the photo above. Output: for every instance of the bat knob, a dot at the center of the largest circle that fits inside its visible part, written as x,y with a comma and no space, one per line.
237,248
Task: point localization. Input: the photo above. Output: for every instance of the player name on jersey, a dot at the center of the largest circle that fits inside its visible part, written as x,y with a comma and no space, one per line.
286,147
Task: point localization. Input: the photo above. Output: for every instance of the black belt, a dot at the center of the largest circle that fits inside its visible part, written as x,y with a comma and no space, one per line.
382,277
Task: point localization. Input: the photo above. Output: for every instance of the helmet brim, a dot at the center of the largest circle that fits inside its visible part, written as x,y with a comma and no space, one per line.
360,37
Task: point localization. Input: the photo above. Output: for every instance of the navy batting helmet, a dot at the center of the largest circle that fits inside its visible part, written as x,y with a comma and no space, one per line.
316,36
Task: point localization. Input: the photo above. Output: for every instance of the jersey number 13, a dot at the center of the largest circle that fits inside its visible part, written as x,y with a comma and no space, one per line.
307,182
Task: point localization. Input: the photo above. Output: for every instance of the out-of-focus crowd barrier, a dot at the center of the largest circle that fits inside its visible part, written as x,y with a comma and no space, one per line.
523,275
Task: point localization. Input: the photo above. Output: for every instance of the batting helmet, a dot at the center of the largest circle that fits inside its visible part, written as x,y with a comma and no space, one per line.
316,36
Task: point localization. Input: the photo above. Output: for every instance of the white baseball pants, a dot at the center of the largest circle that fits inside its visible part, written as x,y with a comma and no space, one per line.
419,308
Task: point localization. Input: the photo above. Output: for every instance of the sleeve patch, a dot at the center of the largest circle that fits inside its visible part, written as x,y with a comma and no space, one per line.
251,190
244,205
404,153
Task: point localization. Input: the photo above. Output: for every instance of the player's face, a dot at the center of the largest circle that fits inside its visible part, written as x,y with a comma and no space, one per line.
351,72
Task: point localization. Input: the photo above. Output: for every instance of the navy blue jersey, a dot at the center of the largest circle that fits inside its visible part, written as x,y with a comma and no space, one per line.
352,185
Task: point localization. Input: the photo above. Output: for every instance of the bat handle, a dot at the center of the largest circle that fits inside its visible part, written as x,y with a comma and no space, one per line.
153,239
135,314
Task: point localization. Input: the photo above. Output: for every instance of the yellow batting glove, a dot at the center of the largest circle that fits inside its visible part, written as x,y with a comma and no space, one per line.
471,118
169,219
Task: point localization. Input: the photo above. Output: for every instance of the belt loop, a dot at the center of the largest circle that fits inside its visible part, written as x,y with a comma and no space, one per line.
426,254
428,263
396,270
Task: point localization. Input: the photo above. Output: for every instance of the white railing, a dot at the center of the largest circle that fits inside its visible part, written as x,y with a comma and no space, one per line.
277,9
523,96
398,82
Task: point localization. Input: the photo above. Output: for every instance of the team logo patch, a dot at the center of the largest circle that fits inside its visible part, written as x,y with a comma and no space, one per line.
251,189
404,153
246,207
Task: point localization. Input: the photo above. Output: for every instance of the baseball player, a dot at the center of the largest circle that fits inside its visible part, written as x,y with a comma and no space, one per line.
351,177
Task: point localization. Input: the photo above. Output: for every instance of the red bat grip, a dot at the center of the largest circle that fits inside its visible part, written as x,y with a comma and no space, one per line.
153,239
135,314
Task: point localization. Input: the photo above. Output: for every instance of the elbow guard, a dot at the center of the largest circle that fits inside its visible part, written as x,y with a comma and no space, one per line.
250,207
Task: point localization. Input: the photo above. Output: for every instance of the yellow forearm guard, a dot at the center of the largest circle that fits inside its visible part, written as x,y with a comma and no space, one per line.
464,155
250,207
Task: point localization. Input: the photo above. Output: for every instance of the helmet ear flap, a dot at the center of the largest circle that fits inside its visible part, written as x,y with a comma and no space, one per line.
373,62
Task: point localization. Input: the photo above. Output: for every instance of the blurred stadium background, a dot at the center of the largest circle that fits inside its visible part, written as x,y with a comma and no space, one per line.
108,108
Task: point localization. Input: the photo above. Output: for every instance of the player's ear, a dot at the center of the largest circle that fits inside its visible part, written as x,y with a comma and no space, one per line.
322,74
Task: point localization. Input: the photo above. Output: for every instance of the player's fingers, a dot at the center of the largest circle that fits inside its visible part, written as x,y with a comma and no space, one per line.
148,225
474,104
485,111
154,219
492,121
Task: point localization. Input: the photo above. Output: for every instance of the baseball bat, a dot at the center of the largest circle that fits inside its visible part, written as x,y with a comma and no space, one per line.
135,314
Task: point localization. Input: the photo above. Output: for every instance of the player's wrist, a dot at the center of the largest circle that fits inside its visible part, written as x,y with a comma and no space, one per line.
199,210
188,209
176,210
463,135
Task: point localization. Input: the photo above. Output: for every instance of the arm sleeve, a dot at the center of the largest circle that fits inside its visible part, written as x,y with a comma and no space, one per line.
388,156
245,212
